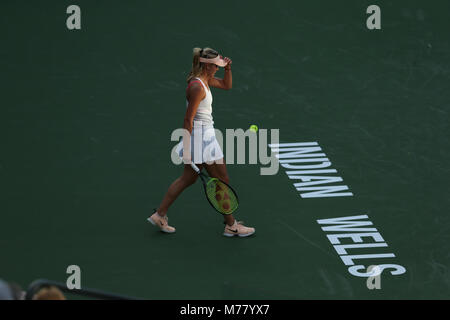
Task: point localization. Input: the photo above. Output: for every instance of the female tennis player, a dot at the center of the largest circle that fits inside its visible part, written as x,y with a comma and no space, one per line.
205,152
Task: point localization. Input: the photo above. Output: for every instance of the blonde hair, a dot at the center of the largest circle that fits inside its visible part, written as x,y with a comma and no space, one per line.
197,66
50,293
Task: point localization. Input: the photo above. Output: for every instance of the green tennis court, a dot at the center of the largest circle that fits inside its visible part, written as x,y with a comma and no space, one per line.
86,120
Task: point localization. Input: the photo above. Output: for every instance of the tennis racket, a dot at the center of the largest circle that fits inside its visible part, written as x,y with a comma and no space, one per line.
219,194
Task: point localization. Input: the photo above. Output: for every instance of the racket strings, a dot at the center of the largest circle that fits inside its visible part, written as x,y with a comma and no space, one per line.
221,196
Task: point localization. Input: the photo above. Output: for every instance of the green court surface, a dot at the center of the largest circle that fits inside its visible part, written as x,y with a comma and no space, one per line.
86,118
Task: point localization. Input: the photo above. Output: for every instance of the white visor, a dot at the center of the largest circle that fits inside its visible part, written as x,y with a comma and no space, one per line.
217,61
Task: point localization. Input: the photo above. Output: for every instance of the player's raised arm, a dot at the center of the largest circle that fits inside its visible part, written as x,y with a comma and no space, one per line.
227,82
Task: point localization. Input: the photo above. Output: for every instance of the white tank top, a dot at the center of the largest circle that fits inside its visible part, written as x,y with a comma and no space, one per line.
204,110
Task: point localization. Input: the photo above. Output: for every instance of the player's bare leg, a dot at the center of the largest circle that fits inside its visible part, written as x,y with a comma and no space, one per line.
188,178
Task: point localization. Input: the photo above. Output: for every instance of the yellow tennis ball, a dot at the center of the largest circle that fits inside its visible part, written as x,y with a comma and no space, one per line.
254,128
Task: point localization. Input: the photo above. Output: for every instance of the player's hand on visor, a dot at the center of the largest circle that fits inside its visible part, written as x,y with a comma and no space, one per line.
228,61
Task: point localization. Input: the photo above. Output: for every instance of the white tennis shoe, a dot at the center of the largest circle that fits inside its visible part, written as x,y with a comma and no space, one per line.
161,222
238,229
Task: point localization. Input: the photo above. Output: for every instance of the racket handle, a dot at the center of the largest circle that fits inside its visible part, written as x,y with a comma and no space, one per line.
196,169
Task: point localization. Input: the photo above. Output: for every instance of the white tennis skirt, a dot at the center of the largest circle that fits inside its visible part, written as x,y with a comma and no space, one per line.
204,146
